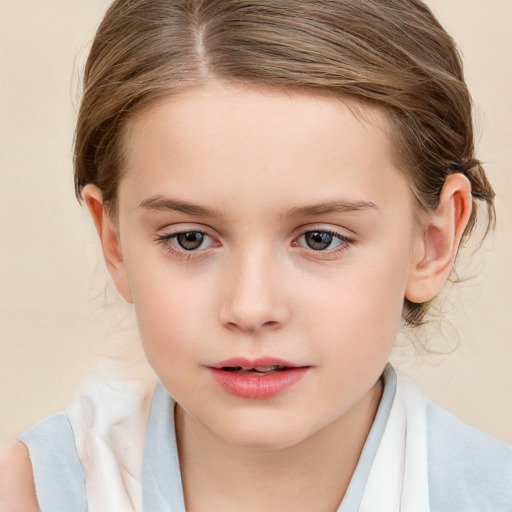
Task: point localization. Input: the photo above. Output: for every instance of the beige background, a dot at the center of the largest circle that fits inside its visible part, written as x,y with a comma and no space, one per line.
56,311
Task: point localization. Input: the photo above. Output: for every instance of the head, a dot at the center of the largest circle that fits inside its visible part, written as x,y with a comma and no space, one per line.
245,130
147,50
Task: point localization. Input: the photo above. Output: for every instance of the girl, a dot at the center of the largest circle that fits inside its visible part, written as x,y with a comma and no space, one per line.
276,186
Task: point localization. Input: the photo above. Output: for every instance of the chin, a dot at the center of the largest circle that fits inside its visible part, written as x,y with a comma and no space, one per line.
262,443
262,438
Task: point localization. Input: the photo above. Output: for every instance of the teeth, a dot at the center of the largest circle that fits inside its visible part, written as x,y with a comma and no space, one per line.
263,369
258,369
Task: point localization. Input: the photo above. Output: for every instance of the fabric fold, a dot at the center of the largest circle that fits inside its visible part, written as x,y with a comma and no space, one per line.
398,480
109,421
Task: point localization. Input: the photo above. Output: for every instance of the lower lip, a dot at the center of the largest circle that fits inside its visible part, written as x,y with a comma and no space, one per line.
257,386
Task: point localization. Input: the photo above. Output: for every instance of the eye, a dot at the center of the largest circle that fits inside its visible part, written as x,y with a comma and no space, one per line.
318,240
321,240
183,242
190,240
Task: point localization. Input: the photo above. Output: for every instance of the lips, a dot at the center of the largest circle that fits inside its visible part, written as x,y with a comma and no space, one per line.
256,379
262,370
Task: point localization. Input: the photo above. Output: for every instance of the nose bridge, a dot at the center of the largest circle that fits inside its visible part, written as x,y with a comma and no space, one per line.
253,297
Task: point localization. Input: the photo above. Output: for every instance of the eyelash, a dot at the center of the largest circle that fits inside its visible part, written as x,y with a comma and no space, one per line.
166,241
345,243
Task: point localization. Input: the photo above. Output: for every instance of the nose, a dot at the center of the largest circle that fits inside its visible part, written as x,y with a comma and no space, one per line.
254,295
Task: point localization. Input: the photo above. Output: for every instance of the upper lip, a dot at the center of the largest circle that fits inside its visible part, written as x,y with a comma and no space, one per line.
260,362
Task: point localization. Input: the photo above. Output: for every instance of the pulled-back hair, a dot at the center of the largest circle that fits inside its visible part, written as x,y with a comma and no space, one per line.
391,53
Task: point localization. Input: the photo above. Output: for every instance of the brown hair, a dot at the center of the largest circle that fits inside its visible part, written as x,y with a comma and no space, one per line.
393,53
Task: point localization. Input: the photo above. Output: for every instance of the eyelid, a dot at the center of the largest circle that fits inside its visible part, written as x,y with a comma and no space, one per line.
184,227
343,233
346,241
167,237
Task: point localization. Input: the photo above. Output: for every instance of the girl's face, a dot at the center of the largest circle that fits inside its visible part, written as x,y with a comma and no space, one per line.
264,230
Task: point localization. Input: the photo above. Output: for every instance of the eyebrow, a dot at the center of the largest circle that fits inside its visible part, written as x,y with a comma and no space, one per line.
336,206
160,203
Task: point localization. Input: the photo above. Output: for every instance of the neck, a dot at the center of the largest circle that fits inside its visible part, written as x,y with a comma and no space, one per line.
311,475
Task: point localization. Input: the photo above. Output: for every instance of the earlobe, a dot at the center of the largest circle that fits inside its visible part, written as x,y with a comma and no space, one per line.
440,238
109,239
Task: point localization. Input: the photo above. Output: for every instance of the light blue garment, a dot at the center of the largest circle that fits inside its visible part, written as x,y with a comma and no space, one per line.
469,471
160,475
58,473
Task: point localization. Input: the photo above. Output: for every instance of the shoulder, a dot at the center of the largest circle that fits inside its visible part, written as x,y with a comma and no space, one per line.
58,476
17,489
468,469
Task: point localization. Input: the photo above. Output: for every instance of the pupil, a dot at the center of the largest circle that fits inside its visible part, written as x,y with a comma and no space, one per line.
318,240
191,240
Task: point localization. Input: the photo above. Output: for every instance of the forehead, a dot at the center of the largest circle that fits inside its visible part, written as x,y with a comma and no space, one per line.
218,110
257,142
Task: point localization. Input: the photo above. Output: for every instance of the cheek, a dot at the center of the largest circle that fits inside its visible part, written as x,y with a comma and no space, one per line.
360,307
170,310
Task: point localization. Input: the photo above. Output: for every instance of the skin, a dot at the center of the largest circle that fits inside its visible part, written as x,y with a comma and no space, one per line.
259,163
17,490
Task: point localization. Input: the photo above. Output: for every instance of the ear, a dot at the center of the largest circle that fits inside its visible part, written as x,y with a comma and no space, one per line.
440,238
109,239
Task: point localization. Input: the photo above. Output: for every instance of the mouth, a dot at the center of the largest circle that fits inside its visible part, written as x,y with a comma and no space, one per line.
258,370
257,379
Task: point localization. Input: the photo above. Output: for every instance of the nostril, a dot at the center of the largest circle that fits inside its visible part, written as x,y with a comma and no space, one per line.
248,309
251,327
